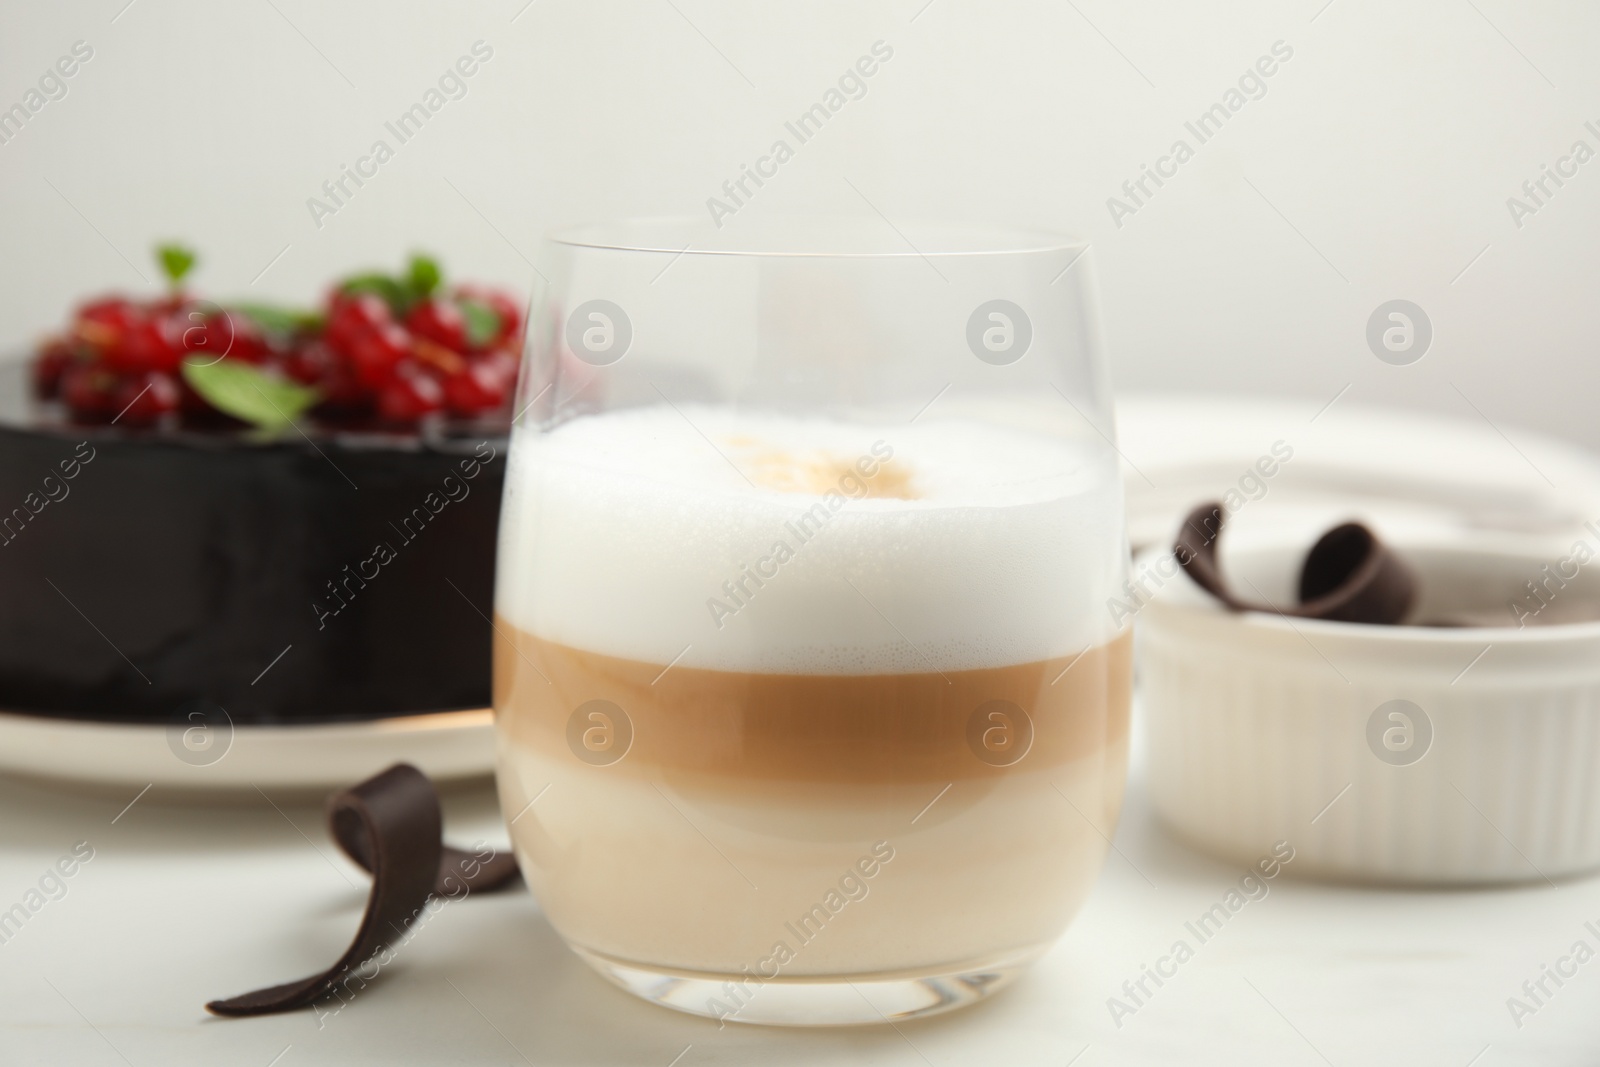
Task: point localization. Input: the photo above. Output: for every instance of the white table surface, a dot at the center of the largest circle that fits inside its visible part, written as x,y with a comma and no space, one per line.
183,903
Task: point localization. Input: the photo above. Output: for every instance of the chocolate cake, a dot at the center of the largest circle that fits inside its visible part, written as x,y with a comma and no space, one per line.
339,568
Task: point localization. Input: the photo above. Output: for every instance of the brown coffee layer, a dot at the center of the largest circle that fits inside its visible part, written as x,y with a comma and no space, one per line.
877,728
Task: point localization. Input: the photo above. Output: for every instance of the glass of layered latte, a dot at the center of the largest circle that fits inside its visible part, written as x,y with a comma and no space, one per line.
809,705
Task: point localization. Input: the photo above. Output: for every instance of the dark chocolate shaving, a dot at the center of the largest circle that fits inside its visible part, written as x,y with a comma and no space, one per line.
1348,576
390,825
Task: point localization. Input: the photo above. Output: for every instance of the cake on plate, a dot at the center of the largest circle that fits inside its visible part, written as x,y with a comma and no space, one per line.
279,515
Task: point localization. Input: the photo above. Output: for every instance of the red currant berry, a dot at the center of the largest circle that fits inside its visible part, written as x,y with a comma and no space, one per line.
440,321
48,367
146,344
314,363
353,315
100,325
309,363
143,399
409,395
206,337
114,311
89,392
477,389
374,355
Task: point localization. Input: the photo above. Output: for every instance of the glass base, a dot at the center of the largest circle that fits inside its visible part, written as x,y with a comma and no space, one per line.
842,1000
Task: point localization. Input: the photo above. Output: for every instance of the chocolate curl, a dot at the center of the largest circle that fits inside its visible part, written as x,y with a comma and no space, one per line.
390,825
1348,576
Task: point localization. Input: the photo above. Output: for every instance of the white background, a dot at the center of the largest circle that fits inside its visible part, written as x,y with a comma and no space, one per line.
1376,167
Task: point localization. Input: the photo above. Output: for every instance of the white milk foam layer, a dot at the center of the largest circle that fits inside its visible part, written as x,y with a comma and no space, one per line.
734,540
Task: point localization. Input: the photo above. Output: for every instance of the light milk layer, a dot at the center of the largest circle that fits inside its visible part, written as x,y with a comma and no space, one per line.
744,541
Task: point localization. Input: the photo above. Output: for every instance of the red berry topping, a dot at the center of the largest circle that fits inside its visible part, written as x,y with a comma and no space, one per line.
145,344
410,394
309,363
102,324
89,391
439,321
144,399
314,363
48,367
480,388
437,358
401,346
352,315
209,335
116,312
376,353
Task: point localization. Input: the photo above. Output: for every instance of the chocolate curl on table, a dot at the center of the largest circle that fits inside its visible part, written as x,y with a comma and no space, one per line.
1348,576
390,825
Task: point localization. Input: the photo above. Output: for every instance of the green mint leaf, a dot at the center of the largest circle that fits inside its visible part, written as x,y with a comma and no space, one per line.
423,276
279,320
393,293
246,392
483,322
176,260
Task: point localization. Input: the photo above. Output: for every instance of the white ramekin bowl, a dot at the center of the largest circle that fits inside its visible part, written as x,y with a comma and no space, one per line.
1262,728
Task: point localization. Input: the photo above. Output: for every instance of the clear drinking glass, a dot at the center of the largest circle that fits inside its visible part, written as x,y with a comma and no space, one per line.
811,706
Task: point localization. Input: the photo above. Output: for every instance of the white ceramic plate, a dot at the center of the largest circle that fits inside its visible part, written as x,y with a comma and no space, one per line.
445,746
1401,471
